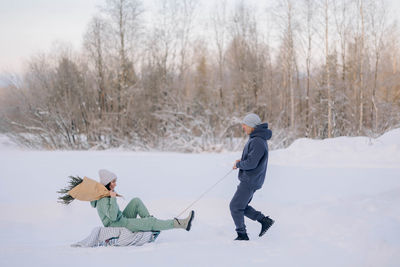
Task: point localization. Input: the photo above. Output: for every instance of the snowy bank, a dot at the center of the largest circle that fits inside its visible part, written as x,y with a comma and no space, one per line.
342,152
7,144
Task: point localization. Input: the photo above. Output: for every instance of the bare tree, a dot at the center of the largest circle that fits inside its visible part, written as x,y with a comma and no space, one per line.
125,21
187,10
97,43
288,54
377,20
309,7
360,4
219,20
327,74
342,10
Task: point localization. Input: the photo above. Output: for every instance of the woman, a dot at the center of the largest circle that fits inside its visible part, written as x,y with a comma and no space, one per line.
111,216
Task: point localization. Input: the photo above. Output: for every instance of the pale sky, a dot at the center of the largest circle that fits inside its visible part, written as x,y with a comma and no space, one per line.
28,27
31,26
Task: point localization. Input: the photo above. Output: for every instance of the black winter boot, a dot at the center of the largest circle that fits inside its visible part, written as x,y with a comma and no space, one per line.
242,236
266,223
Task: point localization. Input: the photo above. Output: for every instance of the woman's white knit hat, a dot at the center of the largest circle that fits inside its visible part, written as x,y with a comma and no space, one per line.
252,120
106,176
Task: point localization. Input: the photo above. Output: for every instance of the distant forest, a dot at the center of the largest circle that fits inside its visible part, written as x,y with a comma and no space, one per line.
179,78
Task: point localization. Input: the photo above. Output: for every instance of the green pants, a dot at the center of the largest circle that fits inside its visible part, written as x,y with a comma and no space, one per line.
145,222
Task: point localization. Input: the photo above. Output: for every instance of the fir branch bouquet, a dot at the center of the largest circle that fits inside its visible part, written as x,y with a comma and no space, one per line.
65,198
85,189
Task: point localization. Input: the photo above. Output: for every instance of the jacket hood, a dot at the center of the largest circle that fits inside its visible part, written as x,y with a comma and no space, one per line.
93,203
262,131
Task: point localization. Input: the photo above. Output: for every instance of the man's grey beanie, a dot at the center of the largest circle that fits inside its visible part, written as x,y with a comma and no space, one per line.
106,176
252,120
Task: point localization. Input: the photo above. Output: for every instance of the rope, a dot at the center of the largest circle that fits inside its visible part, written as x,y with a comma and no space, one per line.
208,190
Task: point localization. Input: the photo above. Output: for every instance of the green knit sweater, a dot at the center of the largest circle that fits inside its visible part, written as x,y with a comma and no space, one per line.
108,210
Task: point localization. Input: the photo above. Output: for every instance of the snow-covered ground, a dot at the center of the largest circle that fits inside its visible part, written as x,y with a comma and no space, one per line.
336,202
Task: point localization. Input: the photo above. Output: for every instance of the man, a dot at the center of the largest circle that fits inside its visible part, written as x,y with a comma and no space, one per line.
252,169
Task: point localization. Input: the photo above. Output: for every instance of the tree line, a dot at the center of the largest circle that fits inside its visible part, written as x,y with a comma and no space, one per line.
179,78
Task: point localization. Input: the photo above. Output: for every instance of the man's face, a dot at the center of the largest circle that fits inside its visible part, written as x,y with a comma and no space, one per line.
247,129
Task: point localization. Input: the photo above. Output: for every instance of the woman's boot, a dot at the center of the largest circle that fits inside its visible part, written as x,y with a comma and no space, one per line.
184,223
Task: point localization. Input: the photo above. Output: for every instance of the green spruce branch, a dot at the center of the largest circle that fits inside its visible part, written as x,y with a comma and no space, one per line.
65,198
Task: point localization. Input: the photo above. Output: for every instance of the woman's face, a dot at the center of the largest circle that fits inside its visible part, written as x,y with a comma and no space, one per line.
113,184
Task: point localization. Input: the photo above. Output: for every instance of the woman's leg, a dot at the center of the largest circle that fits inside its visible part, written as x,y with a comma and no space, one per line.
148,224
145,222
135,208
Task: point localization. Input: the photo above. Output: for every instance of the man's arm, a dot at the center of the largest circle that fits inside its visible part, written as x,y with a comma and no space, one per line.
256,151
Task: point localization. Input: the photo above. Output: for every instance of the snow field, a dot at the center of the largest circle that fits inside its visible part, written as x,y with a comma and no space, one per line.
336,202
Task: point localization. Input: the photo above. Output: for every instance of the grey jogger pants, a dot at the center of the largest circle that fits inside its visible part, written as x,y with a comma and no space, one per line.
240,207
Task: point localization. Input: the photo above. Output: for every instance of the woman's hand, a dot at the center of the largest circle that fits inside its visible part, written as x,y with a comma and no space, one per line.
113,194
